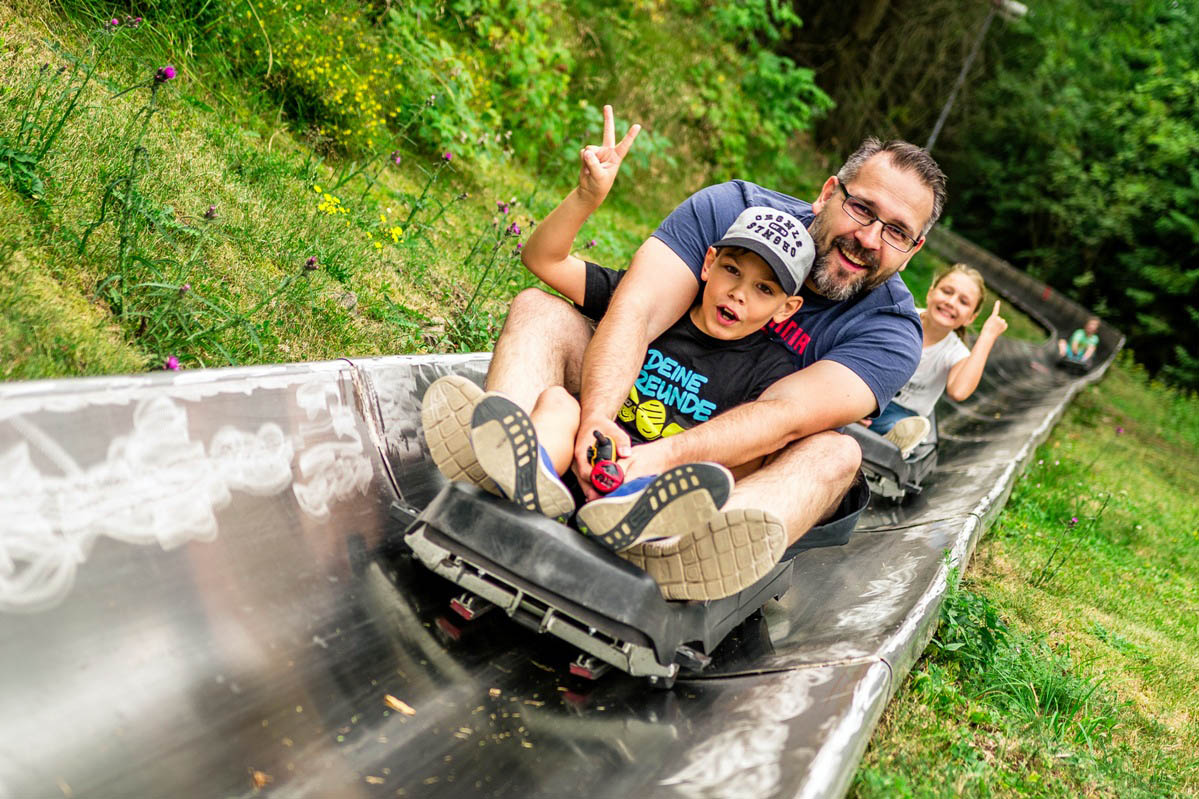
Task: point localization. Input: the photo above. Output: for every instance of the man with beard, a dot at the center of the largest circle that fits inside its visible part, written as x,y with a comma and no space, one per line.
855,341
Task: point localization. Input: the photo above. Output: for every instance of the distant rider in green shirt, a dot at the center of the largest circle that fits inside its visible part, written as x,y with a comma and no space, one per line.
1081,346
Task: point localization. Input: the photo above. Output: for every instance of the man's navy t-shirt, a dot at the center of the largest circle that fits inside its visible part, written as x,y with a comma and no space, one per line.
877,335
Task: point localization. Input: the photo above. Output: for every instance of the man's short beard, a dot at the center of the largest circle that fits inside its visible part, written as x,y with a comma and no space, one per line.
831,288
826,284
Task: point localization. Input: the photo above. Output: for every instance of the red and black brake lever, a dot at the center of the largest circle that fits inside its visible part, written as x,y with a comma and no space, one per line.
606,474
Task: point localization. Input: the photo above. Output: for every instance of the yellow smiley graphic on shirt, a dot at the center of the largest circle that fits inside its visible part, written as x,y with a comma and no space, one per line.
651,415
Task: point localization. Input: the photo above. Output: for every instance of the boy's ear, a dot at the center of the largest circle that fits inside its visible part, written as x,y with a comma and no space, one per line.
785,310
709,259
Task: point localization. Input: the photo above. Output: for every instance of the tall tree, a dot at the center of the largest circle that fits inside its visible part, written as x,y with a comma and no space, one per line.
1078,158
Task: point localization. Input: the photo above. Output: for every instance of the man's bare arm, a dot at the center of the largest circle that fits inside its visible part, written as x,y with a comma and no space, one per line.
658,289
823,396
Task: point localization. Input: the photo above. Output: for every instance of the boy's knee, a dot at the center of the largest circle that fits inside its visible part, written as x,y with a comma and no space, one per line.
557,398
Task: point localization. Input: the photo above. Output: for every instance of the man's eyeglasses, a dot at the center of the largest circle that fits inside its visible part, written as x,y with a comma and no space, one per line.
860,212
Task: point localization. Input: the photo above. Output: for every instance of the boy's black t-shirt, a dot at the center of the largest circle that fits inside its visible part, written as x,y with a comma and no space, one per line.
687,376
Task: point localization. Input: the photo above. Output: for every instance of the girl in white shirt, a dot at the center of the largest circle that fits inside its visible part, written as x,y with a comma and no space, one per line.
946,364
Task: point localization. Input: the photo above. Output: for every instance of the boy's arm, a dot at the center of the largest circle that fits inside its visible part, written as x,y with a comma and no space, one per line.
547,252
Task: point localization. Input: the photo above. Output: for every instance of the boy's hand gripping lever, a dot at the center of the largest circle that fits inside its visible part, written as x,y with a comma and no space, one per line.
606,475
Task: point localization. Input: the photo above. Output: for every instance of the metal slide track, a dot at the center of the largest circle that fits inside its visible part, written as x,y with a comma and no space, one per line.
203,592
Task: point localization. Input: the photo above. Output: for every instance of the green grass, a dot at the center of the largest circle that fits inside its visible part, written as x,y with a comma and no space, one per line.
1066,663
95,269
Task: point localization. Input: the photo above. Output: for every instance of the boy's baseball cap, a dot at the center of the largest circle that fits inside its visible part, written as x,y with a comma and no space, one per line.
781,240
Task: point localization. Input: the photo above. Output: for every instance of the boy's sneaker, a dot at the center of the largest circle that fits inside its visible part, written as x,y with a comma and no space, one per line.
506,447
907,433
679,499
729,553
445,417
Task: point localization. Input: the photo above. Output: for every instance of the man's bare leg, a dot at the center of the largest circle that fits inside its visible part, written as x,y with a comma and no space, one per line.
802,483
541,345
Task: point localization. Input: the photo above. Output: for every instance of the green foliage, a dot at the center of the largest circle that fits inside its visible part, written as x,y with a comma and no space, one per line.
744,21
33,118
18,169
733,101
889,64
971,631
1015,673
492,79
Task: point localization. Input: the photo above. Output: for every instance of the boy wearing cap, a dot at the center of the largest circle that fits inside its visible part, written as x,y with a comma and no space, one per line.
712,359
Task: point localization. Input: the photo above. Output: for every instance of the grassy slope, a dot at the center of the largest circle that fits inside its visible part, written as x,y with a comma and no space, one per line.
1108,605
371,295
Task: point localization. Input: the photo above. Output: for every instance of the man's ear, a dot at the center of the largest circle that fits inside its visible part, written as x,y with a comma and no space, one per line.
785,311
709,259
912,253
826,192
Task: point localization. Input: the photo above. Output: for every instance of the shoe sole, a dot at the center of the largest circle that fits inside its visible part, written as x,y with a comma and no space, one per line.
734,550
445,417
678,500
505,445
903,434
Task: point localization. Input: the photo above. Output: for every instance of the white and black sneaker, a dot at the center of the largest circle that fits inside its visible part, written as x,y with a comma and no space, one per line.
445,418
728,553
676,501
505,445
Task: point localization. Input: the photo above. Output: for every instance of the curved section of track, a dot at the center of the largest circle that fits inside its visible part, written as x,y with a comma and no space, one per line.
201,594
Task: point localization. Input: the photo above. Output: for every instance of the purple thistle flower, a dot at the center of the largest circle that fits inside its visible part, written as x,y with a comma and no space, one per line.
1073,520
210,213
591,244
1119,431
311,262
164,74
448,156
518,246
395,157
114,22
186,287
513,229
501,206
172,363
